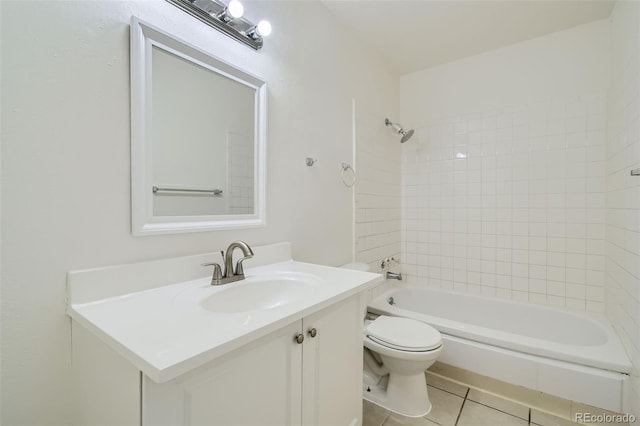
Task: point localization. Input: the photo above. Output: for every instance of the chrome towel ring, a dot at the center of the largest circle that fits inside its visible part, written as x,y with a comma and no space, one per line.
348,175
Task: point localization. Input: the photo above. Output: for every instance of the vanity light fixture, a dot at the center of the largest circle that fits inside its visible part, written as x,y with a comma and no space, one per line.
263,29
227,19
234,10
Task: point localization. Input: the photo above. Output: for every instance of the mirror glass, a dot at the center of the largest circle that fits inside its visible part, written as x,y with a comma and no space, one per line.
198,137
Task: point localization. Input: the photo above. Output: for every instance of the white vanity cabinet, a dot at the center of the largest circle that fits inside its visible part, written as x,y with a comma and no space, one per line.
332,365
149,348
271,381
274,380
256,385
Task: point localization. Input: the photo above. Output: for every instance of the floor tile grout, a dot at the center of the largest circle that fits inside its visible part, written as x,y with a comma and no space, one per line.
449,392
486,405
462,406
464,393
503,412
386,418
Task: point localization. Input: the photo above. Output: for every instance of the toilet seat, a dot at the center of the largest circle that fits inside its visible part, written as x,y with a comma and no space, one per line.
403,334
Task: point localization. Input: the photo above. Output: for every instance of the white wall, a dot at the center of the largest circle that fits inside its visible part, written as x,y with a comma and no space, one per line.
565,64
623,190
65,161
503,188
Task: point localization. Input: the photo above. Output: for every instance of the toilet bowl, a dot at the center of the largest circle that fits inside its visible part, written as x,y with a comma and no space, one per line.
397,353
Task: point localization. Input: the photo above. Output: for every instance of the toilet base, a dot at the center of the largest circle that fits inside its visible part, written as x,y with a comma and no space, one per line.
401,394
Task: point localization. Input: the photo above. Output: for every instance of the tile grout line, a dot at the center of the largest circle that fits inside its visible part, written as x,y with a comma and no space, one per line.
462,406
448,391
386,417
502,411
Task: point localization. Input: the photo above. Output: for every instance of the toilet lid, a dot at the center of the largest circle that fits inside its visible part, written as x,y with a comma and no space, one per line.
403,334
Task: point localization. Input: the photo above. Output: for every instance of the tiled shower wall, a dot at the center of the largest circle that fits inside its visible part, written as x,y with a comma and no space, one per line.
377,188
623,190
510,203
240,173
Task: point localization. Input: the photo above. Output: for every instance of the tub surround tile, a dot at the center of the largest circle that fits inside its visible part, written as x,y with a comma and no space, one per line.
474,414
377,193
531,188
622,191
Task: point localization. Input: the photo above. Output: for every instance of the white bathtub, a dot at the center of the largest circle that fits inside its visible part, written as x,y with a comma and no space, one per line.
572,355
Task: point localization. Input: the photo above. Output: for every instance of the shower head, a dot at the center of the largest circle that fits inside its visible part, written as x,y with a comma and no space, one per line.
406,135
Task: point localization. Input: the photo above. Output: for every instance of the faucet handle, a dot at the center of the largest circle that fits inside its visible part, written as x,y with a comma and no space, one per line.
239,268
217,272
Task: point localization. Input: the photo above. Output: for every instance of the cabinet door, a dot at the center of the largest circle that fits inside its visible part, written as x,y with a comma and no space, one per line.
332,366
258,384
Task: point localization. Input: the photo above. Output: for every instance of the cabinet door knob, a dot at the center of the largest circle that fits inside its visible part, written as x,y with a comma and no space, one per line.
299,338
313,332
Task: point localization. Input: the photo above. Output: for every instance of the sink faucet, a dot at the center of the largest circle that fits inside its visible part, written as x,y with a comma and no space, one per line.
238,273
230,275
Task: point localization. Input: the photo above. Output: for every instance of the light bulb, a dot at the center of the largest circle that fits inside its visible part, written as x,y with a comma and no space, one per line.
235,9
263,28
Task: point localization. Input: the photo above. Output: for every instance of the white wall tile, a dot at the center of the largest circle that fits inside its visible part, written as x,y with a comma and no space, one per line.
619,296
532,222
543,207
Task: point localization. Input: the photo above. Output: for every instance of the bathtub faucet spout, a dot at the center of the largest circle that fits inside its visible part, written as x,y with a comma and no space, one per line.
394,276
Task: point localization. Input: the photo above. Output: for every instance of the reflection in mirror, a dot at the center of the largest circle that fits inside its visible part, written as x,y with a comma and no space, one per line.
197,138
202,136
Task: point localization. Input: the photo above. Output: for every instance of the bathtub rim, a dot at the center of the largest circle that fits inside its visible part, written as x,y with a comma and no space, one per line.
610,356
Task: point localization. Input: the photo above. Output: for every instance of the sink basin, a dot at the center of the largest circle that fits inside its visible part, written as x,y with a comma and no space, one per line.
166,318
259,294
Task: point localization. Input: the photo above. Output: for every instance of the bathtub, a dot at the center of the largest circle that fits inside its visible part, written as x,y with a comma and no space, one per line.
571,355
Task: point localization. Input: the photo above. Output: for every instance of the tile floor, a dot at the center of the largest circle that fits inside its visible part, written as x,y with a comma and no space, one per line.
456,405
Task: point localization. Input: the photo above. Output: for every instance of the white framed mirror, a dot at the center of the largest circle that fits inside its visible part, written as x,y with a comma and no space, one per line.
198,138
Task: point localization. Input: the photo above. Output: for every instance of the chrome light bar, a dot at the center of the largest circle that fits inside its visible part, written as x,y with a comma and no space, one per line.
216,14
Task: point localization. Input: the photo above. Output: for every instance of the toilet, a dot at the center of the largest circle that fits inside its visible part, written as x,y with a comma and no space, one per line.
397,351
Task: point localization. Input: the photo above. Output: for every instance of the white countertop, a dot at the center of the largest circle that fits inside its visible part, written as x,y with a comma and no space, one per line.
166,331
